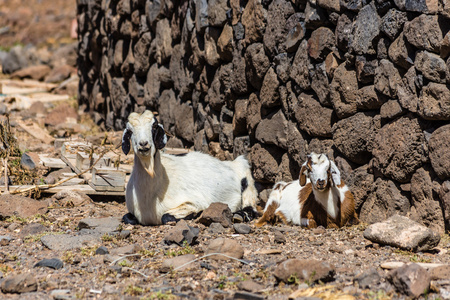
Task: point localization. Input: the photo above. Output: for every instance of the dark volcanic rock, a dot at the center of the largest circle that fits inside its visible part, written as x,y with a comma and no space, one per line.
398,149
182,233
401,232
216,213
365,29
439,144
424,32
275,34
53,263
385,201
354,136
392,23
344,91
410,280
425,209
312,117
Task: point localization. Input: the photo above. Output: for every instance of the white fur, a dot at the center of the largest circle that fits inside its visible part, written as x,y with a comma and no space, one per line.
180,185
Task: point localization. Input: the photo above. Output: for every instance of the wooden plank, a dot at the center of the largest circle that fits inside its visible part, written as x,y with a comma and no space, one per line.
71,162
83,188
54,163
83,162
109,177
28,83
103,188
36,131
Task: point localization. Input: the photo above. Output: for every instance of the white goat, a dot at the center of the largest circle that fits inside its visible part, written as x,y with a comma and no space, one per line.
319,197
164,187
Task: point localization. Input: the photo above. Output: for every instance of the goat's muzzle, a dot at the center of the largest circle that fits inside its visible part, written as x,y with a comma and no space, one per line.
321,184
144,150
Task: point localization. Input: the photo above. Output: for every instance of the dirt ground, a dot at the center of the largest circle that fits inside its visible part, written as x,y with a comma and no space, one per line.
36,22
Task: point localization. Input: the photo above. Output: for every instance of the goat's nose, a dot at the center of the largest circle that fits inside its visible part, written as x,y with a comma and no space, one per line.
143,143
321,182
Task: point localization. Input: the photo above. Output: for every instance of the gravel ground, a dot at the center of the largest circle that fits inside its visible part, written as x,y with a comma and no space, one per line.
86,274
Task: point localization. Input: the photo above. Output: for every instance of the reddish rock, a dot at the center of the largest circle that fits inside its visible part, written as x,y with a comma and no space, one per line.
14,205
228,247
61,114
424,32
300,66
273,130
321,43
257,64
216,213
265,161
300,270
34,72
387,78
410,280
254,21
434,103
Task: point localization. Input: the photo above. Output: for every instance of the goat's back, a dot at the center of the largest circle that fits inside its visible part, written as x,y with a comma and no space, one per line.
204,179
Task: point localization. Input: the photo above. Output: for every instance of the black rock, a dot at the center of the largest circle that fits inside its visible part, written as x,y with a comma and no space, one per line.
54,263
102,250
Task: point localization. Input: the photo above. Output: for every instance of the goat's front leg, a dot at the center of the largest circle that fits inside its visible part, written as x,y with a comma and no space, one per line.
308,221
184,211
268,216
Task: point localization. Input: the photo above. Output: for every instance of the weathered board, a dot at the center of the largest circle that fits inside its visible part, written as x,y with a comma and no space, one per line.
50,162
107,179
84,188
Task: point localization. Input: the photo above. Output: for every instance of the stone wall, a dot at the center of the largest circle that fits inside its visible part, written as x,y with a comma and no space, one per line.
366,82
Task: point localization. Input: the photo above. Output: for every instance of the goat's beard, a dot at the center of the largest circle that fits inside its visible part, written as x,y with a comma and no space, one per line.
148,162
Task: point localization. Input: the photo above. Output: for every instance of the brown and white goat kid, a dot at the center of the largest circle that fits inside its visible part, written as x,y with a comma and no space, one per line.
319,197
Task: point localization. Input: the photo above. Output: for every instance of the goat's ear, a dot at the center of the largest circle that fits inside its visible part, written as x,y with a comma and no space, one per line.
126,140
159,135
303,172
335,173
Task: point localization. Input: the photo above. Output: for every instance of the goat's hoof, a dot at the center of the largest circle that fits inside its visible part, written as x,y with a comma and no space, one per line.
168,218
129,218
245,215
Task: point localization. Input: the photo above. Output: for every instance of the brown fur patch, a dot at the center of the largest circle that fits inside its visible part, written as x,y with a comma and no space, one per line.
281,217
318,216
347,210
268,216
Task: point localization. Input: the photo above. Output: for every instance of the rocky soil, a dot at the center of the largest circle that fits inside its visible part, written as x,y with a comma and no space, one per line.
86,252
71,246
